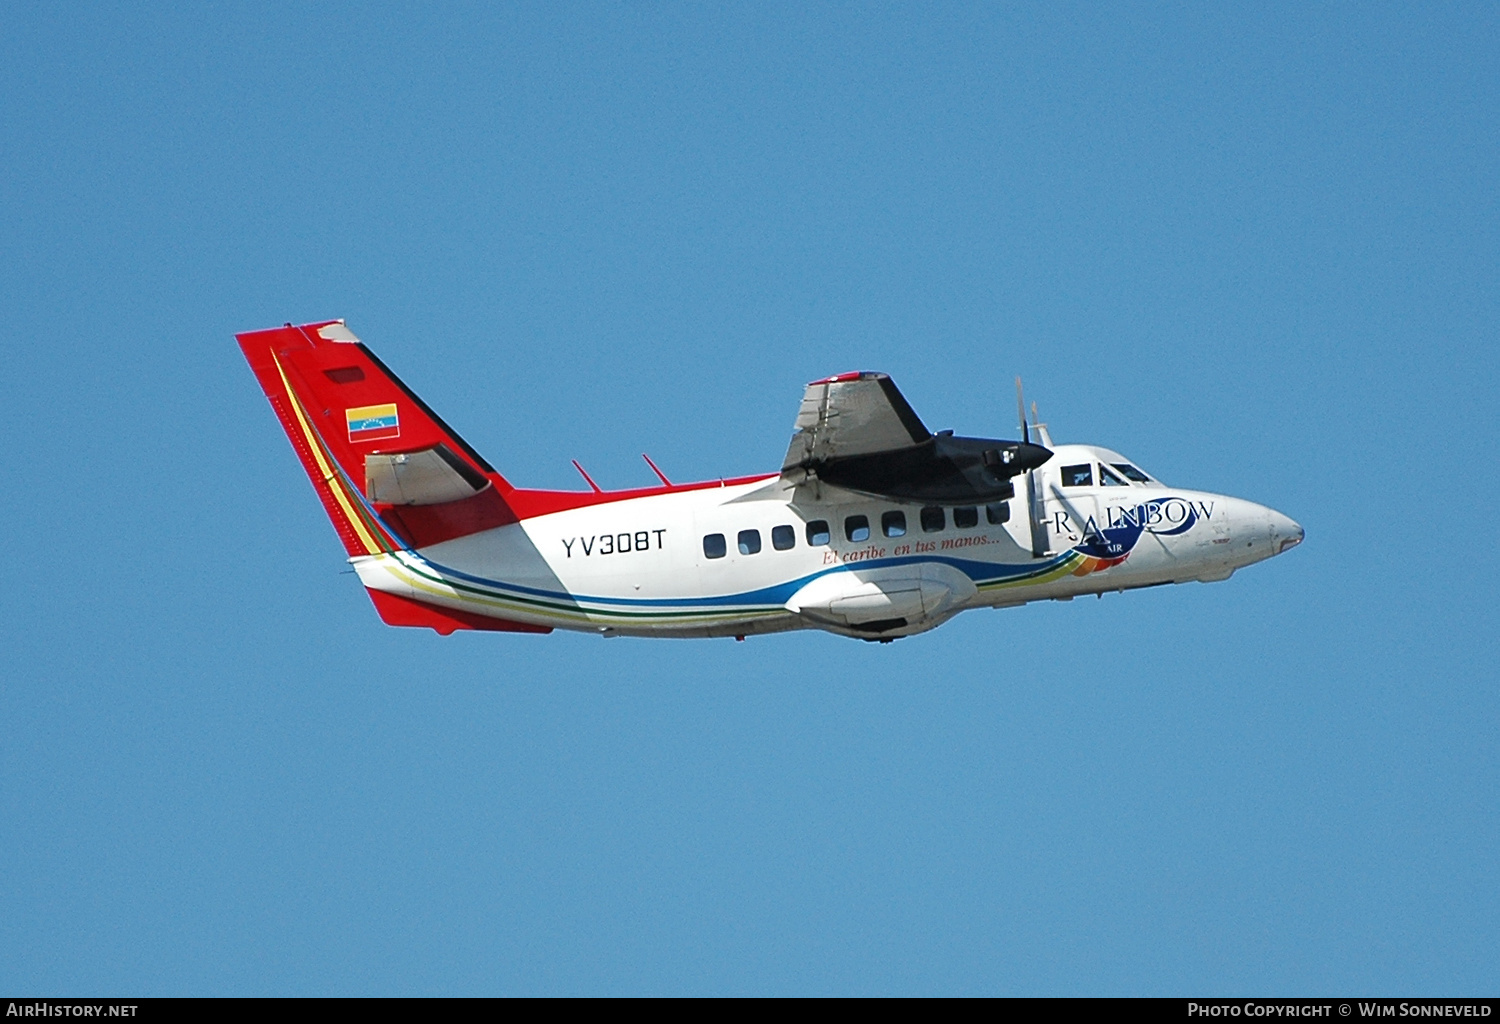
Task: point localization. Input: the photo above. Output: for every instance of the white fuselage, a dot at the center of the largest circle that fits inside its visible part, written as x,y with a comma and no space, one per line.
651,566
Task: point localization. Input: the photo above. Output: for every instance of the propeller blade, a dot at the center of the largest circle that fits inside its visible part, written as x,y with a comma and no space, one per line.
1021,412
1042,434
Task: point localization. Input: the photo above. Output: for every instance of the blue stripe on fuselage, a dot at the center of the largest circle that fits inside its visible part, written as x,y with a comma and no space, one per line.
980,573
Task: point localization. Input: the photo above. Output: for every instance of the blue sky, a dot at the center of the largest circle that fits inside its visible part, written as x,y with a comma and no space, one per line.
1253,247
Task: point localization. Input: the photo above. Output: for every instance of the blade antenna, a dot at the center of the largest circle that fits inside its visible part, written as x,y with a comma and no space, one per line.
587,477
659,474
1021,412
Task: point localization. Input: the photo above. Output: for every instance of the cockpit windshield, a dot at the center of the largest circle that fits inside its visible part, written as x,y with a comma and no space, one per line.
1131,472
1108,479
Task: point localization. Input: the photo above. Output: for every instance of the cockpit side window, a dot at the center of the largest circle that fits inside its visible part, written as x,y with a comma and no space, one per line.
1131,472
1108,479
1078,476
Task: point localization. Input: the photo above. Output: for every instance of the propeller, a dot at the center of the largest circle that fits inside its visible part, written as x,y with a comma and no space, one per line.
1038,529
1021,412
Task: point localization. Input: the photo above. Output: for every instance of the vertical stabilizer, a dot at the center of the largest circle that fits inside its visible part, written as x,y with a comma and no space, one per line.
390,473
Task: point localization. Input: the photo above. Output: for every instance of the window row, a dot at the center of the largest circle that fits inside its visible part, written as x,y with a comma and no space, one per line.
857,529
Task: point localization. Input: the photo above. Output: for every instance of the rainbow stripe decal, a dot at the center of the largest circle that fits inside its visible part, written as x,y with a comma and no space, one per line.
373,422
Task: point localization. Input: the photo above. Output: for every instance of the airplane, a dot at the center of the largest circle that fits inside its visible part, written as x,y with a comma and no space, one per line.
874,527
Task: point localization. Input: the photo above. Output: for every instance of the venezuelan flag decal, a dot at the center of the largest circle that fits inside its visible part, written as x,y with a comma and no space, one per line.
373,422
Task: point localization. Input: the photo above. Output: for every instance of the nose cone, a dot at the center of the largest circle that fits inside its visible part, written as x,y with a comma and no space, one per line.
1285,533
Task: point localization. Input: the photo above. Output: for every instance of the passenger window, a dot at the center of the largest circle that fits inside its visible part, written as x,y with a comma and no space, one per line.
1078,476
893,524
783,537
713,546
997,512
818,533
933,519
749,542
966,518
857,528
1132,473
1108,479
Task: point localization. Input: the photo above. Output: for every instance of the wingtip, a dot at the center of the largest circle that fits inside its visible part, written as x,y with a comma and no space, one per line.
840,378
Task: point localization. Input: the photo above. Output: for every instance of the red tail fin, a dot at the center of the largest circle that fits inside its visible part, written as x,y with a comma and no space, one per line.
389,471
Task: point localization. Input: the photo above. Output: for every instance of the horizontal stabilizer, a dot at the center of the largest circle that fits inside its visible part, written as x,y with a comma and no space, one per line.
431,476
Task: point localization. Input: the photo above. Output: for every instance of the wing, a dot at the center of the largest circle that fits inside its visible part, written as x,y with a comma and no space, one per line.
852,414
857,432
